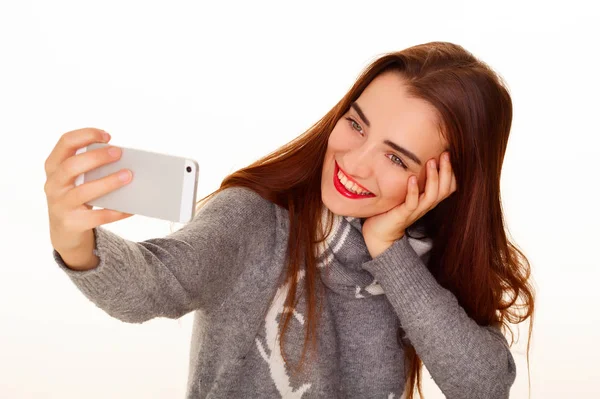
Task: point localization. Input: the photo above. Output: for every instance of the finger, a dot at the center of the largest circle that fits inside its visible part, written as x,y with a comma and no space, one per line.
412,195
453,186
97,217
69,143
445,177
64,177
96,188
431,184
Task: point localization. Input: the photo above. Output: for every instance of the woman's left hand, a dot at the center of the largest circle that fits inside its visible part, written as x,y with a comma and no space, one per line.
380,231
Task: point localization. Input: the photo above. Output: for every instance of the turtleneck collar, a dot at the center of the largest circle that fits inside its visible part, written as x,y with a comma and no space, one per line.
341,257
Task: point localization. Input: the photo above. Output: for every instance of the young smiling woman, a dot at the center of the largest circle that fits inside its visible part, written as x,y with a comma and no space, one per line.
327,241
432,104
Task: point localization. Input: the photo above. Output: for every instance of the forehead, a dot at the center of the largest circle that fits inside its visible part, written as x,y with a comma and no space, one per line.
396,116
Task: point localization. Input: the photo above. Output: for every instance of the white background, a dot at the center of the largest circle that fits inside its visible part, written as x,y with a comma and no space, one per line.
227,82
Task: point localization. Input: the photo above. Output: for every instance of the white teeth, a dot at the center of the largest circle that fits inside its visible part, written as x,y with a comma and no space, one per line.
351,186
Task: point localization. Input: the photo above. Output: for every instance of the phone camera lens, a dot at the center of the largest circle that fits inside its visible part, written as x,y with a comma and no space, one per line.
189,169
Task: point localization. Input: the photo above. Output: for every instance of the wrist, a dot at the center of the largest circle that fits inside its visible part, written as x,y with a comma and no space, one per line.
376,248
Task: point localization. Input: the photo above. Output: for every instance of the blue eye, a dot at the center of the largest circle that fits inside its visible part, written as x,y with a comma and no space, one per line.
398,162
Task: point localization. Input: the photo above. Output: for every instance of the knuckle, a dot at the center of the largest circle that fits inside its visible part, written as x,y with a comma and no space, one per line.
65,169
47,188
65,138
68,166
76,196
52,197
47,166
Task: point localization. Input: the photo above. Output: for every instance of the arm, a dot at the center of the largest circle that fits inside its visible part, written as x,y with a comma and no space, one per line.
465,359
192,268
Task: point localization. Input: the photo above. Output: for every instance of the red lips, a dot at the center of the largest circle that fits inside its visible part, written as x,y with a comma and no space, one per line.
343,190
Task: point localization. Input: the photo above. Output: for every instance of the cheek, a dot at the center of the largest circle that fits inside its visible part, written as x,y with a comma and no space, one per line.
336,140
334,146
394,190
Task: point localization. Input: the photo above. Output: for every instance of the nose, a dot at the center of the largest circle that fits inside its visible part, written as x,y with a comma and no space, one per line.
357,162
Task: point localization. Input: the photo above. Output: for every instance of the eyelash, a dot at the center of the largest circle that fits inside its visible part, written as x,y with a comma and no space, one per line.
401,164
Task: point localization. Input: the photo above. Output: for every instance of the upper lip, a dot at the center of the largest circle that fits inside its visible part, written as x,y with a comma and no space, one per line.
351,179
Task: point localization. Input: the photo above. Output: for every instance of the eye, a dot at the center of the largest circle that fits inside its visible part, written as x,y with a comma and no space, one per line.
394,158
398,162
355,125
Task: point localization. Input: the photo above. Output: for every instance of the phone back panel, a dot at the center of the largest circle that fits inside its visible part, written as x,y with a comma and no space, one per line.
157,188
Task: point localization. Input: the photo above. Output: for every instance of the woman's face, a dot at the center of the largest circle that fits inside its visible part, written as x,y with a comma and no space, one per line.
362,145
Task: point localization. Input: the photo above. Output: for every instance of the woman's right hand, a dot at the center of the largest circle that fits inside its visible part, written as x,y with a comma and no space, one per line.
71,219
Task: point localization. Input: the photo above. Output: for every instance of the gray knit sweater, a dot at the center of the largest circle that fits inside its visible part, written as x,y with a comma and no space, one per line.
225,265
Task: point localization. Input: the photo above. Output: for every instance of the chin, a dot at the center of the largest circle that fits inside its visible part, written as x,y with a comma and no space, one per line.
343,210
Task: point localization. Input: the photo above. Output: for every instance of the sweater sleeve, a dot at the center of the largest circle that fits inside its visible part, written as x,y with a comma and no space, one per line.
465,359
192,268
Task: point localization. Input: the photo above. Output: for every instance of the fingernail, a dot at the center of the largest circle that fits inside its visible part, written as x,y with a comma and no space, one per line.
106,136
114,151
124,175
446,157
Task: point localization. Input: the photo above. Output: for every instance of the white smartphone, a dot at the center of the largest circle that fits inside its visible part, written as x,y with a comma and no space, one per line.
163,186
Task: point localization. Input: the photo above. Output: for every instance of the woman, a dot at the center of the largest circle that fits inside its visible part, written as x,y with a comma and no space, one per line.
325,247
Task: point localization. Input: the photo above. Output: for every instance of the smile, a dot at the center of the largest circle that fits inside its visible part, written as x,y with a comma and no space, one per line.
341,188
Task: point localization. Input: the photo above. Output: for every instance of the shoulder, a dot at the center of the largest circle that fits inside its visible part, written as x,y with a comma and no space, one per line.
240,197
238,205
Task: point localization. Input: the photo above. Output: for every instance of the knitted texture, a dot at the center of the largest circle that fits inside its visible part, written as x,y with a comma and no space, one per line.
225,266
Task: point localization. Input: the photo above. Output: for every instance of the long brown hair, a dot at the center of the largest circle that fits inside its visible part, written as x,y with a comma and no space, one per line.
471,254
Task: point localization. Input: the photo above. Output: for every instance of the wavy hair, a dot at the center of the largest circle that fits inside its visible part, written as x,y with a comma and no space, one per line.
472,255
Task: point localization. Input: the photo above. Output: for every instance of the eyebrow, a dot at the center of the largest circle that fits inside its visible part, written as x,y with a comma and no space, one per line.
395,146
